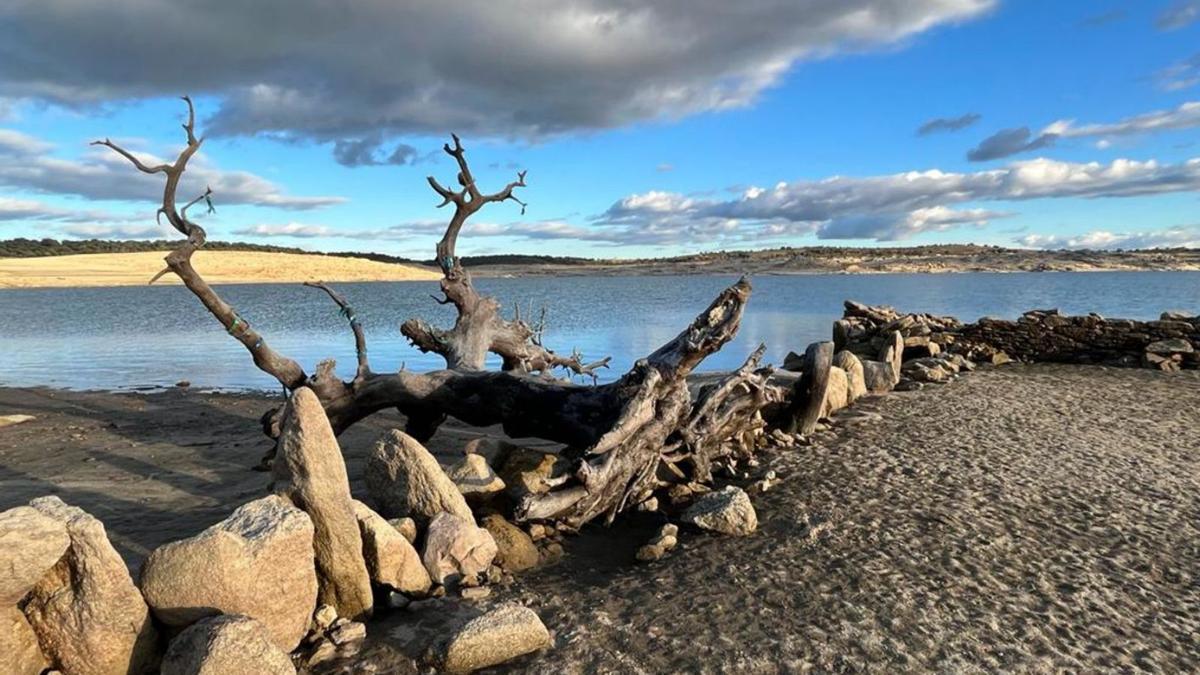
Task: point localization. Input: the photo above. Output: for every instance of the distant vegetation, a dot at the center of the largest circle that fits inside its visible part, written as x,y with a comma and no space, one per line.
37,248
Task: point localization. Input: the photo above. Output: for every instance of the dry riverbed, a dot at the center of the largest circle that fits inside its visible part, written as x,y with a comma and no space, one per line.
1028,518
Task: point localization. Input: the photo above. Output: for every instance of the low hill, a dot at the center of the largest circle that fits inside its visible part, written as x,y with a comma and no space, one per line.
217,266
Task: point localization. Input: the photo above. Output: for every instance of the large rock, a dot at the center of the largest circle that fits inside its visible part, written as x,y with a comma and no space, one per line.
503,634
405,480
456,548
515,550
19,651
893,354
30,544
257,562
856,385
309,471
837,392
1171,346
811,390
878,377
391,559
727,511
88,616
475,479
226,645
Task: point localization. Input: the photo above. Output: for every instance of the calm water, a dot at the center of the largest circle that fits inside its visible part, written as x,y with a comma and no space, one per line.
124,338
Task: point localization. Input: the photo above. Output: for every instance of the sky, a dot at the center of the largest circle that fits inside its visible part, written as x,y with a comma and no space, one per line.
646,128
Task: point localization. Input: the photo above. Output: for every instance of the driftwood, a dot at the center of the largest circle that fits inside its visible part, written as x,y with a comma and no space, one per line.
808,395
620,432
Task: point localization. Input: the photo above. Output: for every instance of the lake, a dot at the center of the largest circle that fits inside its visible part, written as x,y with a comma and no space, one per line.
147,337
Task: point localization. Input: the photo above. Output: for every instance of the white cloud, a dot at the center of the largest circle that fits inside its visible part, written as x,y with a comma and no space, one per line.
883,208
1188,237
299,230
1008,142
84,231
1180,14
348,71
101,174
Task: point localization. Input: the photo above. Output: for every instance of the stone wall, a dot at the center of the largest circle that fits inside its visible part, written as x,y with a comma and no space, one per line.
1170,343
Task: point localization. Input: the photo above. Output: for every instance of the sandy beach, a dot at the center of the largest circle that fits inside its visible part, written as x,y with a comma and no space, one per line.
218,267
1021,519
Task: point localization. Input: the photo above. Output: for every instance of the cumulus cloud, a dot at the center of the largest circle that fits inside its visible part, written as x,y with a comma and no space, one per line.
93,231
343,71
1188,237
28,210
299,230
942,124
100,174
1008,142
884,208
1179,15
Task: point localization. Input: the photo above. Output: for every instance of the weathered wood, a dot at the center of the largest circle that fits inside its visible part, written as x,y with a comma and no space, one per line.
808,395
618,433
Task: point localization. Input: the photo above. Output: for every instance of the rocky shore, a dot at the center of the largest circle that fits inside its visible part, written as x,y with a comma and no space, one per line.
145,545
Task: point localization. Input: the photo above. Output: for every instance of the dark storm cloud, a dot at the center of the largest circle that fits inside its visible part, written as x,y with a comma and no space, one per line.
314,70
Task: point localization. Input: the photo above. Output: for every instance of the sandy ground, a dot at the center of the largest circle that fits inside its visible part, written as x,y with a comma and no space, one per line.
1026,519
218,267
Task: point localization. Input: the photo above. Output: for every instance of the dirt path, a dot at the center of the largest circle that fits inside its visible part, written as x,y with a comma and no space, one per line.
1025,519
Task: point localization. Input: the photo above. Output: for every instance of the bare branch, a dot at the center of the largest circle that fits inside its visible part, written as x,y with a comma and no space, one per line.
158,168
360,338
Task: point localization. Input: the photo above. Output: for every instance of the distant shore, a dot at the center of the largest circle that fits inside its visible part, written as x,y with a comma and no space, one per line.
248,267
218,267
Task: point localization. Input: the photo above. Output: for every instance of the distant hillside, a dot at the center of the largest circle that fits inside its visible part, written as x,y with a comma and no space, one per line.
40,248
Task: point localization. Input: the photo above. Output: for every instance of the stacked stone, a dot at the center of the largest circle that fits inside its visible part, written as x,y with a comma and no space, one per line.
1170,343
867,331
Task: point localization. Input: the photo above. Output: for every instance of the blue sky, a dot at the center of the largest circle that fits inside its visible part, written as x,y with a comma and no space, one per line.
646,130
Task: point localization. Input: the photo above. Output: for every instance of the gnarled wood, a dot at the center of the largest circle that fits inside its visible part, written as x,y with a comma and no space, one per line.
617,432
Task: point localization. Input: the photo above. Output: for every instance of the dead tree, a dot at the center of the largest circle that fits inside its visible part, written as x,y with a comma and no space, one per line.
624,435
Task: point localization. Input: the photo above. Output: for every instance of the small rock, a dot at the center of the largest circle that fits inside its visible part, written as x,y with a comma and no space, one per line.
391,559
407,527
537,531
856,386
475,479
225,645
10,420
552,552
1170,346
351,631
648,506
650,553
456,548
878,377
476,593
500,635
671,529
398,600
324,617
527,471
515,549
727,511
324,651
183,384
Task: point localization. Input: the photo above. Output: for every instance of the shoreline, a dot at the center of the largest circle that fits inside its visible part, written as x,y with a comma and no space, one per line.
231,267
1051,500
